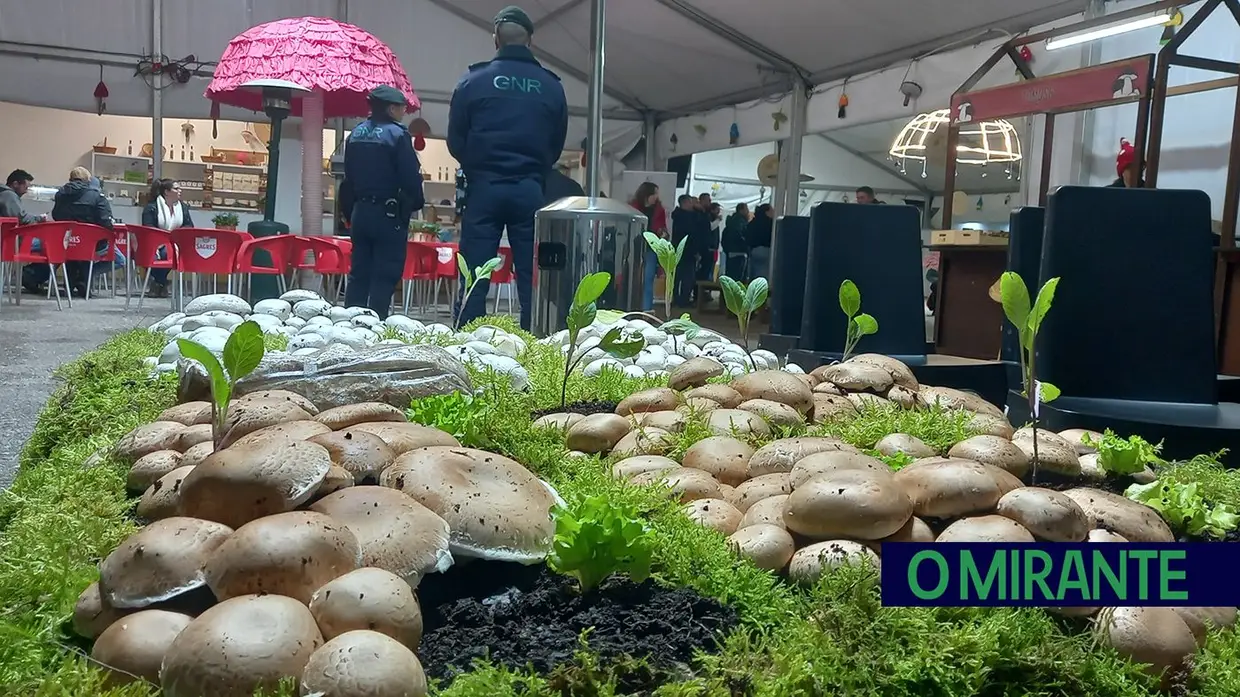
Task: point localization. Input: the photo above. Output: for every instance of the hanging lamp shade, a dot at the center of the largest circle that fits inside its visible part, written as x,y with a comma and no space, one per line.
982,143
340,60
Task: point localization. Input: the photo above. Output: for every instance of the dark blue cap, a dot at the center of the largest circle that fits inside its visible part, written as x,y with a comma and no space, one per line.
388,95
515,15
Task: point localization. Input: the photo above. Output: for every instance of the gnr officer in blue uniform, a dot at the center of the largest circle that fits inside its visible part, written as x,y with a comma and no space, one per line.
506,127
382,189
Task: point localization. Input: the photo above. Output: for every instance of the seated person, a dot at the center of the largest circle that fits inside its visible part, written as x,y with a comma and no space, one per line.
81,200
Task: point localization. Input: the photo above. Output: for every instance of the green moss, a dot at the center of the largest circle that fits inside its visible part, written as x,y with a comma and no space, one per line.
936,427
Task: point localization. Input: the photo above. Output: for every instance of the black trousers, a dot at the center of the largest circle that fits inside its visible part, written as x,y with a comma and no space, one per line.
686,279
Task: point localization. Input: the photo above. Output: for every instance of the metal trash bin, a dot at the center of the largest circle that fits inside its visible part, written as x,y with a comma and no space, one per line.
581,235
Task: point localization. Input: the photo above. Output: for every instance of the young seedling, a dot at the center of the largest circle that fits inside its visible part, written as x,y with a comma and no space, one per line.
581,314
1027,318
682,326
471,279
859,323
598,538
242,353
669,258
744,300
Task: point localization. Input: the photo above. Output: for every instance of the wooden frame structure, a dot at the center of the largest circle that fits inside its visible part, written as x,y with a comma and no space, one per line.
1060,93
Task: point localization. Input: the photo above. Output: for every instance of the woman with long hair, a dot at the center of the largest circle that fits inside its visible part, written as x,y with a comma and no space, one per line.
646,200
165,211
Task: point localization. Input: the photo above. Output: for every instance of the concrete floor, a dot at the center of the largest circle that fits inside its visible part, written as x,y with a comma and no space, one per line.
35,339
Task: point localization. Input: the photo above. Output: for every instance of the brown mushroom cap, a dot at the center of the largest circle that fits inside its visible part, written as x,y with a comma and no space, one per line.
1104,536
767,546
362,663
686,484
863,400
723,457
395,532
782,454
160,562
189,413
237,485
905,397
694,373
777,386
949,398
363,454
901,374
652,399
133,647
150,467
289,430
915,530
992,450
146,439
990,425
854,376
716,514
728,493
368,598
163,498
698,405
1076,437
239,646
861,504
774,413
809,563
727,422
1054,453
987,528
726,397
827,388
912,446
644,440
341,417
815,464
670,421
1156,636
402,437
768,511
949,488
1201,620
92,613
196,454
281,396
597,433
288,554
1133,521
1047,514
337,478
829,406
494,507
761,488
248,416
630,467
193,435
559,422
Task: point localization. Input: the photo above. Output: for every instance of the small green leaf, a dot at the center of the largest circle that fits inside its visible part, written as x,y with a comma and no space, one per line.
244,350
610,316
591,288
682,325
489,268
221,391
680,251
733,295
613,344
1014,296
1041,306
1047,392
866,325
756,293
464,267
850,298
653,240
581,316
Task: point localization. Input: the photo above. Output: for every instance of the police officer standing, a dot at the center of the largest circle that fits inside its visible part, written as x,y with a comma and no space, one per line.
382,189
506,128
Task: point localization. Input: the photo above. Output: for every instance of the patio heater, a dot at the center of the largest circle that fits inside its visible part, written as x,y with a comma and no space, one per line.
277,104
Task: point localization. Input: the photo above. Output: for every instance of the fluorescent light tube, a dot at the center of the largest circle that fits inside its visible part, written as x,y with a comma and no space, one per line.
1113,30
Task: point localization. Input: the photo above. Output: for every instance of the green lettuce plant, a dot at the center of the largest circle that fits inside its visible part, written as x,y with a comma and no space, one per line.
669,258
599,537
458,413
581,314
471,279
1184,509
743,300
242,353
859,323
1124,456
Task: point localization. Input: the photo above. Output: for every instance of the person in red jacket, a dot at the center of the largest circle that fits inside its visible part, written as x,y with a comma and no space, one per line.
646,200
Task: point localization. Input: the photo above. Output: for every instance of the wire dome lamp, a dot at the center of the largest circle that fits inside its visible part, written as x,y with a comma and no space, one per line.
924,139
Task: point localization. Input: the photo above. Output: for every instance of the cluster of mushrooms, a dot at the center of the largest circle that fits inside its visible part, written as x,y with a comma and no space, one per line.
293,547
806,505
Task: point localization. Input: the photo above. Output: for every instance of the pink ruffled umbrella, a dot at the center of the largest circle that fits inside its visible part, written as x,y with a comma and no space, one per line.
338,63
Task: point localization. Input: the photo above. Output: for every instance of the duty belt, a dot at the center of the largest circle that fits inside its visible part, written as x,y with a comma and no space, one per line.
380,200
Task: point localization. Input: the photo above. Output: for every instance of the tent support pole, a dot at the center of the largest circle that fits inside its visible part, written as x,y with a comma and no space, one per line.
157,95
786,198
594,132
649,127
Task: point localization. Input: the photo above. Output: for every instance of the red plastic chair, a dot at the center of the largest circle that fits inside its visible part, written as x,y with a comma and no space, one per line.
81,245
319,255
53,239
503,279
421,267
339,273
145,243
446,269
278,247
205,251
8,251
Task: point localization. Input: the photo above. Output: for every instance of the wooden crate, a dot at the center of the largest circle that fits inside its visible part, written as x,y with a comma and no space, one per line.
968,237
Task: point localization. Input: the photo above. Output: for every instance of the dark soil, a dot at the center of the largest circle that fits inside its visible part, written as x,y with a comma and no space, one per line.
1058,482
583,408
517,615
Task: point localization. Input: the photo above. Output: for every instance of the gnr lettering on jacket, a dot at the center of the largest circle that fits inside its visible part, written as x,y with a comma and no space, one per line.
515,83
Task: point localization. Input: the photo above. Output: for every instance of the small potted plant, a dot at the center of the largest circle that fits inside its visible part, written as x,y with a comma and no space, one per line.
225,221
424,231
